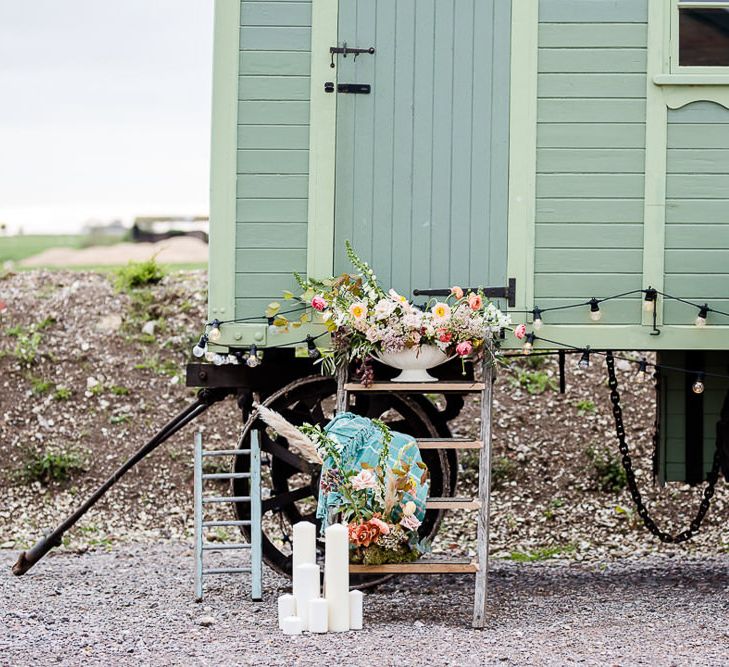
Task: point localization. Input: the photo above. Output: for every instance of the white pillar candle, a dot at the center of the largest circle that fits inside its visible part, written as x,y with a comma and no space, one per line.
306,587
304,543
293,625
318,615
286,607
355,609
336,576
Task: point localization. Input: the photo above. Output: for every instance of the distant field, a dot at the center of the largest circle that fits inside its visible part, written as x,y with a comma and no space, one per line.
15,248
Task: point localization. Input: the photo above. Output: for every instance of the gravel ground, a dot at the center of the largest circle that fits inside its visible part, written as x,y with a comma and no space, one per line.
133,606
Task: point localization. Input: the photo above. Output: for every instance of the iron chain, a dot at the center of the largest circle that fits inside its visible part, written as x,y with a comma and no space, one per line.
627,462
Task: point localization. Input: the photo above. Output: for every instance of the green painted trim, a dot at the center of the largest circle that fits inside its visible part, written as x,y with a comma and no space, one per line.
677,96
691,79
523,148
221,299
628,337
244,335
654,203
322,141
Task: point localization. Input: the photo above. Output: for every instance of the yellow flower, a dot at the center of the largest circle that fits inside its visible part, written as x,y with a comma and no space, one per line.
358,310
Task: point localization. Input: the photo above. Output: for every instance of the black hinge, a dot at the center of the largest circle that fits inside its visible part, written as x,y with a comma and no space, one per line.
508,292
354,88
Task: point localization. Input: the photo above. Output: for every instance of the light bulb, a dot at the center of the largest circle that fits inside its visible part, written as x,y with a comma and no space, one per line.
312,349
642,374
218,359
528,343
209,356
649,303
252,359
214,334
584,362
537,321
698,386
595,314
700,320
202,347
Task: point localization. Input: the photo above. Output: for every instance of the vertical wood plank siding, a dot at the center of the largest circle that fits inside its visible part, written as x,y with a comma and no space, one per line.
590,155
697,210
422,162
273,141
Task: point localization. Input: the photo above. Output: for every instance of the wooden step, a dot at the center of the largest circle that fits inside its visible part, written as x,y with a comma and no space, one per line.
423,566
453,504
448,443
457,387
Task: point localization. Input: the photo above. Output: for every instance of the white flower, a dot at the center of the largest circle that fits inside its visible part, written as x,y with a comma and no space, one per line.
441,313
384,308
365,479
409,508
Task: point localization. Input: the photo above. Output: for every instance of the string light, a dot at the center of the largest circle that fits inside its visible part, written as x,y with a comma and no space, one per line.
595,314
700,320
312,349
584,362
698,386
252,359
537,322
214,334
528,343
642,374
201,348
649,303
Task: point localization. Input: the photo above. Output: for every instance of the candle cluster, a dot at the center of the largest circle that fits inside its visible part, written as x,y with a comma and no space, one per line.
340,609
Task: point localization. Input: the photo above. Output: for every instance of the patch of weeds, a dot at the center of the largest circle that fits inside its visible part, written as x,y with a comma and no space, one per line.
50,465
45,323
215,464
14,331
26,349
138,274
158,366
543,553
39,386
607,469
503,470
118,390
119,419
535,382
552,505
97,389
534,361
584,406
62,394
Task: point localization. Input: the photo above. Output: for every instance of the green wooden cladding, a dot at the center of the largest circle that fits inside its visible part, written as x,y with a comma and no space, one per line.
591,89
273,151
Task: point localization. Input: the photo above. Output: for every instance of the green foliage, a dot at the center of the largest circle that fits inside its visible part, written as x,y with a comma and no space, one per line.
39,386
535,382
50,465
543,553
15,248
118,390
62,393
26,348
159,366
119,419
503,470
138,274
554,504
45,323
607,469
584,406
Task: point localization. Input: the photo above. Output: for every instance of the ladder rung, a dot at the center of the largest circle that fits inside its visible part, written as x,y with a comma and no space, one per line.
224,547
225,452
418,567
226,499
227,475
453,504
226,570
228,522
448,443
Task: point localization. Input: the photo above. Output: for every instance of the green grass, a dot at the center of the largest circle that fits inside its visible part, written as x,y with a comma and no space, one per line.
543,553
15,248
50,466
138,274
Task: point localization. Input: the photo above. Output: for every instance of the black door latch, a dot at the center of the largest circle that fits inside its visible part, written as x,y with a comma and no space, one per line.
352,88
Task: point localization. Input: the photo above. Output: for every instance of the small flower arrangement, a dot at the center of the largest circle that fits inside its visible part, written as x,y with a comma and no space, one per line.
379,503
366,320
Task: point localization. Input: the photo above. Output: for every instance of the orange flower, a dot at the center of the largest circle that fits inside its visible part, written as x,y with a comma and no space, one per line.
363,534
475,301
457,292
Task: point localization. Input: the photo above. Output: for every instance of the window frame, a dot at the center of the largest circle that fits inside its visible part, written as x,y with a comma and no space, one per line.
675,67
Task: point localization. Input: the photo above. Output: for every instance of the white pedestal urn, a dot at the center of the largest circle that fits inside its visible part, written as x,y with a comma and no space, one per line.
414,362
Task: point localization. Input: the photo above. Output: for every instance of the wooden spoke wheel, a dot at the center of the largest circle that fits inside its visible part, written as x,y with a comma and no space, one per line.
290,484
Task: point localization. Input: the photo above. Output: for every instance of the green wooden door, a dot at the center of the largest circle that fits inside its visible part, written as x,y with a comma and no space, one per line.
422,161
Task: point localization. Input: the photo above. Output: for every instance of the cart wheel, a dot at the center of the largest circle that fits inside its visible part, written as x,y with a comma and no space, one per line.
290,484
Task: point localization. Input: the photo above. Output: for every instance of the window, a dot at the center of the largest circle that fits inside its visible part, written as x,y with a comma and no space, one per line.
701,35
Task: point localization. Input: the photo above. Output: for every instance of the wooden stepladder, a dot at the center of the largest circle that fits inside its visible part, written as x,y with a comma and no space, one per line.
479,566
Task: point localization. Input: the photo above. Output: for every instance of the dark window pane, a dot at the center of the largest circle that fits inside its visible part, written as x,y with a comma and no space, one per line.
703,37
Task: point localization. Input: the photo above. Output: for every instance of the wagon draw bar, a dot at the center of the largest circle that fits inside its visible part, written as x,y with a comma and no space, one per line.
205,398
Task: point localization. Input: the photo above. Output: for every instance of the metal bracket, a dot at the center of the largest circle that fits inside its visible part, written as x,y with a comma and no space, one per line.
508,292
344,50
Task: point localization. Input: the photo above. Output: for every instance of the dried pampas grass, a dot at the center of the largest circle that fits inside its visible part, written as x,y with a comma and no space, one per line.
286,429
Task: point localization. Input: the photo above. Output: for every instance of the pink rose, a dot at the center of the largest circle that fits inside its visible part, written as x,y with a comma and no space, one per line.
475,301
384,528
520,331
457,292
364,480
410,522
464,349
318,303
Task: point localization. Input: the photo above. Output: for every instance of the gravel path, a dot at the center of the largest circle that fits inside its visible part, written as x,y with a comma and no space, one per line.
133,606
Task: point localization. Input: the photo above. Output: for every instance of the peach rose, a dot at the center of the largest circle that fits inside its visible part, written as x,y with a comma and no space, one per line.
457,292
384,528
475,301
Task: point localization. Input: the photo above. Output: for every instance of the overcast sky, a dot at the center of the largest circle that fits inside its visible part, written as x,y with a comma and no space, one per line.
104,110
